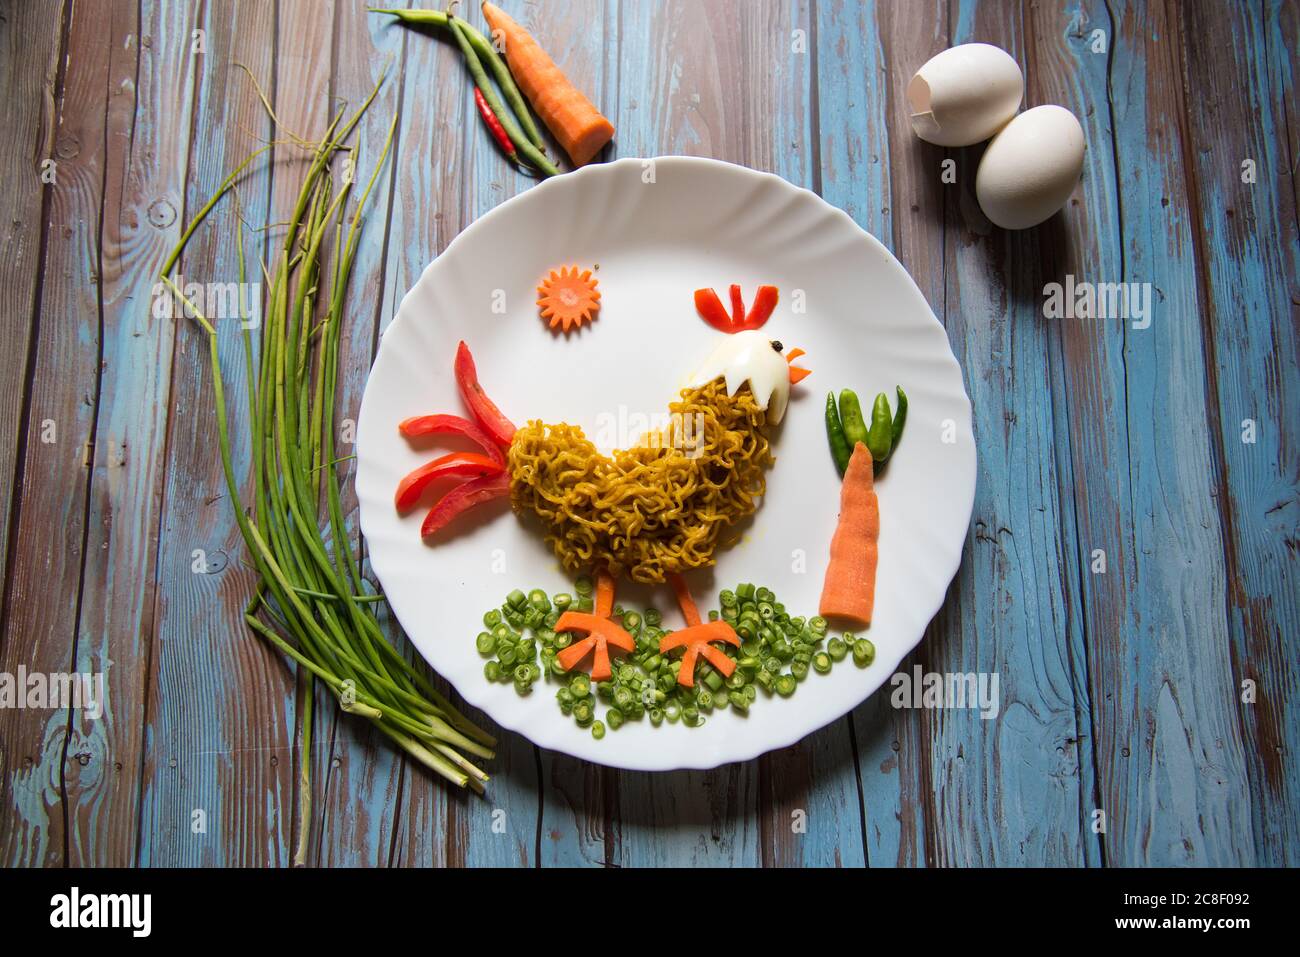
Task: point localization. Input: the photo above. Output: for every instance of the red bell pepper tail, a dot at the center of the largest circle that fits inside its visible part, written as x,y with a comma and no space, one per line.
419,425
455,465
485,412
462,498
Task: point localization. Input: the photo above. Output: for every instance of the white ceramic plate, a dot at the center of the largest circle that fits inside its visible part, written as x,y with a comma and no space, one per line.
658,230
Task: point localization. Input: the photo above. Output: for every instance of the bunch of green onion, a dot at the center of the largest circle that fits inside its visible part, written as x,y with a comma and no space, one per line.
311,600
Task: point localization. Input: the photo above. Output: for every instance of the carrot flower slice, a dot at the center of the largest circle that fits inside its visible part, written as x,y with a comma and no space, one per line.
568,298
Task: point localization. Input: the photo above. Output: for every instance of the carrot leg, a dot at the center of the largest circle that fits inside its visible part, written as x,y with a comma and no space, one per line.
686,677
684,599
604,593
602,631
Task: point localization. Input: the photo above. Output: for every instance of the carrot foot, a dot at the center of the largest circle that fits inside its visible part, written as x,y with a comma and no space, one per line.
601,632
695,638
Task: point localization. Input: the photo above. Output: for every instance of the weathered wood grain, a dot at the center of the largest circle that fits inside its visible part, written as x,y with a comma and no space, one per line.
45,559
873,167
219,720
32,37
427,211
1121,692
1248,261
151,84
1170,775
356,776
1006,790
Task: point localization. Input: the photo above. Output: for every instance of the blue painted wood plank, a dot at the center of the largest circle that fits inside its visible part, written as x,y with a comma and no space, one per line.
873,168
151,100
1006,790
32,37
1249,258
357,772
219,719
1170,764
48,536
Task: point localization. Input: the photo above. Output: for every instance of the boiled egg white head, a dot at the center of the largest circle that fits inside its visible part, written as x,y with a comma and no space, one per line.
1030,168
749,357
965,94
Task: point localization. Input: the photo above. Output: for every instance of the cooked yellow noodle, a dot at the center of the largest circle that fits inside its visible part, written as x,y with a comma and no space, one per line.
648,511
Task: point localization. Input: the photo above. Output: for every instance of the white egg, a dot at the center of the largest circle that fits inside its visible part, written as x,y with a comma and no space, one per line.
1029,170
748,357
965,94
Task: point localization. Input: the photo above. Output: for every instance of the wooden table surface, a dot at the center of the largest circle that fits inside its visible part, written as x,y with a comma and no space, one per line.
1161,692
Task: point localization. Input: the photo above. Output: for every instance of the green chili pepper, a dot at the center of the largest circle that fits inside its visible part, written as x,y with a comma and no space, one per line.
900,419
855,426
840,450
880,435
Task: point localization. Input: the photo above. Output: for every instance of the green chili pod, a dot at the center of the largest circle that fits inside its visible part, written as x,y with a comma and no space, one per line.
855,426
900,419
880,435
840,450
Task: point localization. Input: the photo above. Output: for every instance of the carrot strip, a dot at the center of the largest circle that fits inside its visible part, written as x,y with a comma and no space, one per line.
575,121
604,593
849,589
684,599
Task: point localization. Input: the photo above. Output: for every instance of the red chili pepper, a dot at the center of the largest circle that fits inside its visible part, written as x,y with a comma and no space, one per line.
486,414
709,306
457,464
451,425
494,124
764,304
737,306
462,498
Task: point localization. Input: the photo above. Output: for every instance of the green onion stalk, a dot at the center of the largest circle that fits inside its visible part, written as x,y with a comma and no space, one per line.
311,601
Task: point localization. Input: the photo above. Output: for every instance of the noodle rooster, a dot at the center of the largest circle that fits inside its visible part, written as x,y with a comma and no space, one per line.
648,513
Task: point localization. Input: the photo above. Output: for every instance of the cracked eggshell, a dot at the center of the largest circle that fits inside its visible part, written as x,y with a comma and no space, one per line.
1029,170
965,94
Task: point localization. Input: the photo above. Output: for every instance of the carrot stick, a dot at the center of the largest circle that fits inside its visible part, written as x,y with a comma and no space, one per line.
576,123
604,593
849,589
